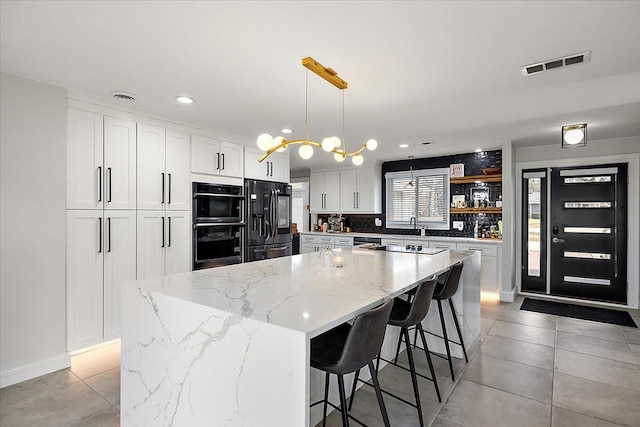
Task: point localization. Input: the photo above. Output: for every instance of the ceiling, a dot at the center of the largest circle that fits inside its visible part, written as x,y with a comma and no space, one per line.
447,72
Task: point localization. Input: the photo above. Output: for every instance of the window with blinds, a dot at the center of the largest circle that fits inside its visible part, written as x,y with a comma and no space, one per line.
422,199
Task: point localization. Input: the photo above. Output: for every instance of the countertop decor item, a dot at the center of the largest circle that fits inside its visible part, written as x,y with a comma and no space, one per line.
456,170
492,171
332,144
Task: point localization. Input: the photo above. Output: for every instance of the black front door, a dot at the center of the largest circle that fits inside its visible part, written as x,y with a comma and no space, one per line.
588,232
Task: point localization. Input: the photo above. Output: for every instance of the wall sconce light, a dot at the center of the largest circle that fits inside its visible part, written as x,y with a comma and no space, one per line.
574,136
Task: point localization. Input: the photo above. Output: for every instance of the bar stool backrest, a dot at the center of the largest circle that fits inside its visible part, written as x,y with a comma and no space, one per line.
365,338
421,301
452,282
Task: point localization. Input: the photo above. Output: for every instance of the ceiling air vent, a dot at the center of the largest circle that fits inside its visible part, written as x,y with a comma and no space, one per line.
550,64
123,96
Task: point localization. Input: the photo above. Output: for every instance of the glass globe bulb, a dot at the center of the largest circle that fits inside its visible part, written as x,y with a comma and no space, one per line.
265,142
574,136
371,144
357,159
305,151
328,144
277,141
336,141
339,157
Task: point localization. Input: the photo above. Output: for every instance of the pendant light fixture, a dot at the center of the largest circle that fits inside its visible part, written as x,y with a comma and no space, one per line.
332,144
410,183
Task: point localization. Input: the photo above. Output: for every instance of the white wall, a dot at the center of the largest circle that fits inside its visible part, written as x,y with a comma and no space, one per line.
32,229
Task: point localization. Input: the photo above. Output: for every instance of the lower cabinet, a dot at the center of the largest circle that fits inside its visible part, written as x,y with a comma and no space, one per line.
317,243
101,256
163,243
490,275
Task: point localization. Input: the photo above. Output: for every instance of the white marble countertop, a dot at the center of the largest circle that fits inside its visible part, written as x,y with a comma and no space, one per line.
301,293
404,236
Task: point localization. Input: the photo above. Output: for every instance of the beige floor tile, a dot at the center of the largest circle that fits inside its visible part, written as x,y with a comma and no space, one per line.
636,351
490,312
518,351
442,422
85,365
614,404
564,418
632,335
528,318
107,385
594,368
524,333
591,329
524,380
108,418
36,388
476,405
596,347
64,407
515,305
486,324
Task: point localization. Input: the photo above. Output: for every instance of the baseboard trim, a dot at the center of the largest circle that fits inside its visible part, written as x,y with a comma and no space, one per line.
508,296
34,370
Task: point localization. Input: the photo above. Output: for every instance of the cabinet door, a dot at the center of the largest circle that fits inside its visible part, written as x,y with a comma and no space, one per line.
84,160
489,274
280,167
119,265
348,191
332,191
231,159
253,169
204,155
307,248
85,248
119,164
442,245
151,243
152,181
368,185
178,234
392,241
316,190
178,175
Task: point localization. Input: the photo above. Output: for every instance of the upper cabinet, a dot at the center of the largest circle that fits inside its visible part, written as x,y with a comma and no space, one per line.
101,162
325,192
212,157
273,168
360,191
163,169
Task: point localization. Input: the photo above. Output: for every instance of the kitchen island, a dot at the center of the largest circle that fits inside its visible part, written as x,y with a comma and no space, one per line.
229,346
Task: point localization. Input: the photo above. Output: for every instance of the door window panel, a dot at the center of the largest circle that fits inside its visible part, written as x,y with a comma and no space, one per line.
587,179
590,230
587,205
533,227
587,255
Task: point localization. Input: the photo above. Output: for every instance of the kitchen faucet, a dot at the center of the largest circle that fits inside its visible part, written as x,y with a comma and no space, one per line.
413,220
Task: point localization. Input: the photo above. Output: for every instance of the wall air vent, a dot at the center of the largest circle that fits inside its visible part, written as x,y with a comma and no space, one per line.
123,96
576,58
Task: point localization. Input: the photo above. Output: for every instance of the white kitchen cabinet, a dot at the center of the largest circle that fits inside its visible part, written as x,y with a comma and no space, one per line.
101,247
325,192
490,278
316,243
307,248
273,168
360,191
209,156
342,242
101,161
442,244
163,243
163,169
391,241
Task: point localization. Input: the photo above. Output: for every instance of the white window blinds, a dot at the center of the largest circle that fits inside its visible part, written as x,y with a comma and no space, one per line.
423,199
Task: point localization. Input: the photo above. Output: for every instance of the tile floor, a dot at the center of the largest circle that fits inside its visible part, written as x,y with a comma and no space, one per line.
529,370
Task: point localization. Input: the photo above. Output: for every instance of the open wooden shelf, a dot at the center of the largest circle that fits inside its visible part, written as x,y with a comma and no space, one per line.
476,210
475,178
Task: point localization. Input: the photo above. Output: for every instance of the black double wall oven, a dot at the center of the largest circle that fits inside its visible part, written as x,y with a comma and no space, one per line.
218,226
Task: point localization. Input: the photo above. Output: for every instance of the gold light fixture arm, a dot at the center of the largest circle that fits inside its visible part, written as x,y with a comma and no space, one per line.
286,143
326,73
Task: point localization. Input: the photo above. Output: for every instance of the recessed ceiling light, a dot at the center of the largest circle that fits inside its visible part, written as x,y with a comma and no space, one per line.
403,145
478,150
185,100
286,130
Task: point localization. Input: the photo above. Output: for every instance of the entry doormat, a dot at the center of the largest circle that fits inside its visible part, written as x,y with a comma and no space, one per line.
594,314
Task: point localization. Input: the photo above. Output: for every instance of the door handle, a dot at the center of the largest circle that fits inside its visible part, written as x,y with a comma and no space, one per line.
218,161
162,198
99,183
109,235
354,200
109,176
222,161
169,176
556,240
169,232
100,235
358,199
162,233
267,168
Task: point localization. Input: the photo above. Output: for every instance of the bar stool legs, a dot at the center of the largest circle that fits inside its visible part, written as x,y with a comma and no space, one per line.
446,337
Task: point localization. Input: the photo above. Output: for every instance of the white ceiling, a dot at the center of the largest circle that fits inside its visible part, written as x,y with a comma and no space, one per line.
417,71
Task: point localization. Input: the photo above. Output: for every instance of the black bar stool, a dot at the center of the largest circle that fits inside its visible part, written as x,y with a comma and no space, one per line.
445,291
348,348
405,315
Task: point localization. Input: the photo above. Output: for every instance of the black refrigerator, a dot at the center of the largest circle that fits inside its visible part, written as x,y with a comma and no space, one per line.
268,216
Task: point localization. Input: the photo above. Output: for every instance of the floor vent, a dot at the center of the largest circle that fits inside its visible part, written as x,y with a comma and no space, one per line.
551,64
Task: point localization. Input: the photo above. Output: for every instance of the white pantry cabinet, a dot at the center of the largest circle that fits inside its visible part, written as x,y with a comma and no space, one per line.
324,188
163,169
101,248
360,191
273,168
163,243
101,161
209,156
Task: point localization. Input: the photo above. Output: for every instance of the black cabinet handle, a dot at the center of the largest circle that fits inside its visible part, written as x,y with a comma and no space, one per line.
222,161
162,233
99,183
100,235
169,231
109,182
109,235
218,161
267,168
162,198
169,188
